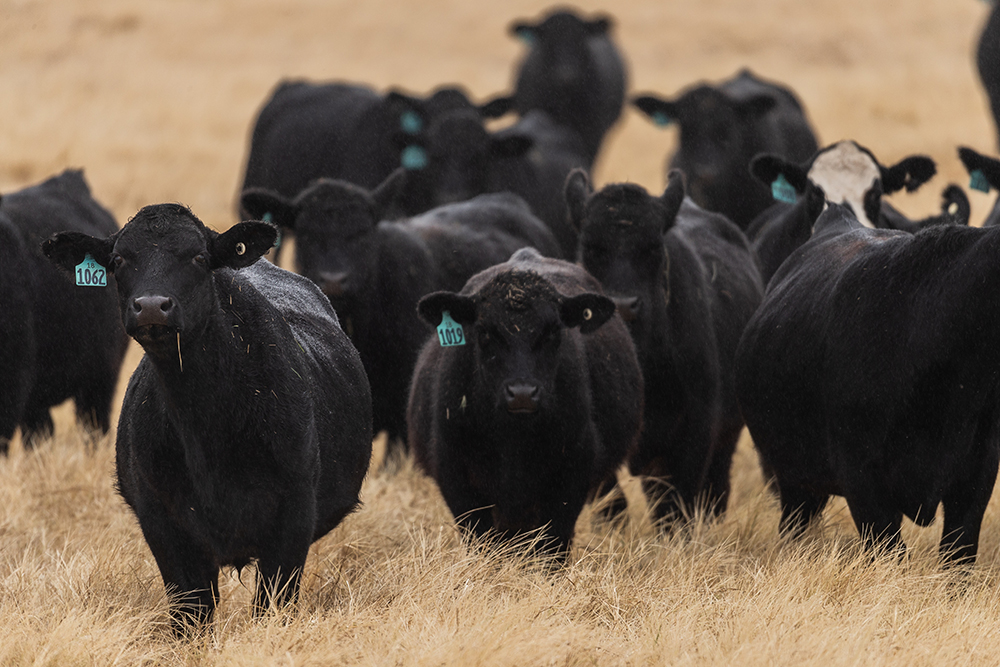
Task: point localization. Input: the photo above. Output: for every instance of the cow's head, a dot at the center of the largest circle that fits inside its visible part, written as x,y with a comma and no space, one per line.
163,261
622,245
560,40
517,325
334,222
848,174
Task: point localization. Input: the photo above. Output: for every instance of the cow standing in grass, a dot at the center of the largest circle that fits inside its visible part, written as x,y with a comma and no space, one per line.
246,429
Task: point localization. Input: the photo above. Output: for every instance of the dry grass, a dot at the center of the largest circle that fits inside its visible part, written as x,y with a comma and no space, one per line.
155,99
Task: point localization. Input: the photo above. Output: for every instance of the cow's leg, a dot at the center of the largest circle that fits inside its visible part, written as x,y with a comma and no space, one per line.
964,507
798,508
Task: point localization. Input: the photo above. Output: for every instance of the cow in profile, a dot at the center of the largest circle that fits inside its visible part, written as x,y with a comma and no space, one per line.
686,282
869,372
245,432
722,127
533,411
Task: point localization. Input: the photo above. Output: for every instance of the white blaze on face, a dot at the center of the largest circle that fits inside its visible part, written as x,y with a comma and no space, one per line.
846,173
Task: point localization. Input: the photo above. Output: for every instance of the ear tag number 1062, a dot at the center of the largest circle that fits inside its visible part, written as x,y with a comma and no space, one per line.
91,274
450,332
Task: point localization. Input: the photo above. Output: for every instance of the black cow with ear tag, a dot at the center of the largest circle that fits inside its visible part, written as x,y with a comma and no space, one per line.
528,399
246,429
686,282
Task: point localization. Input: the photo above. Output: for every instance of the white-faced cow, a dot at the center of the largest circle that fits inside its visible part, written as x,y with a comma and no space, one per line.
869,372
246,429
722,127
686,283
533,410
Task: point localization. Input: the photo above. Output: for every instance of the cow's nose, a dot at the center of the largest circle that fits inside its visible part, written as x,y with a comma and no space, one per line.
523,398
335,285
152,310
628,307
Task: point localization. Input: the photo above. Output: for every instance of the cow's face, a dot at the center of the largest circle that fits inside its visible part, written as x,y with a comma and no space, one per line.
163,261
334,222
517,325
621,242
561,42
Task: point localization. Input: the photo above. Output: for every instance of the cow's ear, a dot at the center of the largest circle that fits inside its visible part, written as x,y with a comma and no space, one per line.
911,173
672,197
497,107
587,311
989,167
576,191
241,245
269,206
662,112
462,309
514,145
525,32
67,249
599,26
388,191
408,111
767,167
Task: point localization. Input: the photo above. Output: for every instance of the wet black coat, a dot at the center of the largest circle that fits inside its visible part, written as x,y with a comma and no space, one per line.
721,129
375,271
686,282
245,432
75,333
869,372
526,421
573,72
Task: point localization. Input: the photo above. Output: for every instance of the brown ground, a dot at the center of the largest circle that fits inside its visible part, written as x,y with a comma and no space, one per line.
155,99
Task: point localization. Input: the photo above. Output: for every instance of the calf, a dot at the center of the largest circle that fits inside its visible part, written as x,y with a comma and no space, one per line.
375,272
246,429
985,173
721,129
533,412
17,331
573,72
71,332
869,372
686,283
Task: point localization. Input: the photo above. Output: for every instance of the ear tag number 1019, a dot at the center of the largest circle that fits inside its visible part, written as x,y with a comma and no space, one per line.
450,332
91,274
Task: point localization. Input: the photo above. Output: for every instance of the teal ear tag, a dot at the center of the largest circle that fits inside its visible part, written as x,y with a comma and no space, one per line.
413,158
526,36
660,119
450,332
978,181
91,274
782,190
410,122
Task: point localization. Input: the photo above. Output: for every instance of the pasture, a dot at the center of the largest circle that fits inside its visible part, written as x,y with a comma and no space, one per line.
155,100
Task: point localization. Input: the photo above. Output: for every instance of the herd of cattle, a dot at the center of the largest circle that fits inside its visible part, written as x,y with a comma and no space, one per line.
469,292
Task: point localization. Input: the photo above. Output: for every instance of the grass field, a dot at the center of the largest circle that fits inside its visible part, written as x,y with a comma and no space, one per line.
155,100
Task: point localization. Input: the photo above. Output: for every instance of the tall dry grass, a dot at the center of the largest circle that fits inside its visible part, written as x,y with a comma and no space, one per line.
155,100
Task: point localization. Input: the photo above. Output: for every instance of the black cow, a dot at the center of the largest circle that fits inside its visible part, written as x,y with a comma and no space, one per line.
74,331
534,411
246,429
687,282
345,131
869,372
722,128
17,330
375,272
985,173
573,72
988,63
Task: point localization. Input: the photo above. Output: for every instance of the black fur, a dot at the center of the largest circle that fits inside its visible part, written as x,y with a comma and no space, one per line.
573,72
246,429
869,371
721,129
991,172
530,418
687,283
375,272
988,63
77,340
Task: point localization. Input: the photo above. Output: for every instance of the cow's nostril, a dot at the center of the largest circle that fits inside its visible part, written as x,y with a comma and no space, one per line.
152,310
523,398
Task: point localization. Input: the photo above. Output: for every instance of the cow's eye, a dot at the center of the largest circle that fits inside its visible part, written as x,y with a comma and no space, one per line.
200,259
116,262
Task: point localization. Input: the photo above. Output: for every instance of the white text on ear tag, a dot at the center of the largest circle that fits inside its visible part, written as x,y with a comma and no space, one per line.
450,332
91,274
